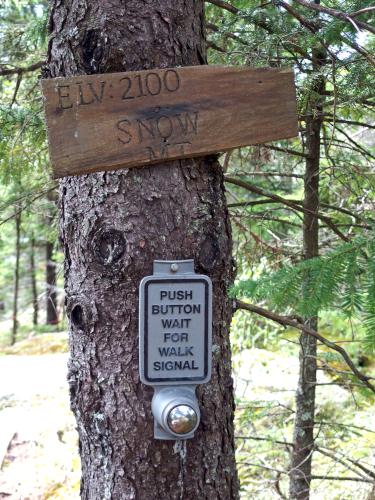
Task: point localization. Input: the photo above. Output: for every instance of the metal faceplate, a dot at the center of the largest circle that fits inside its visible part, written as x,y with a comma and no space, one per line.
175,325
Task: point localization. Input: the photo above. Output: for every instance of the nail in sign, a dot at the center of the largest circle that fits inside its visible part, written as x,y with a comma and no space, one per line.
111,121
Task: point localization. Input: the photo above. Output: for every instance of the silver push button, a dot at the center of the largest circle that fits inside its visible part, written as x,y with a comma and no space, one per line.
182,419
176,412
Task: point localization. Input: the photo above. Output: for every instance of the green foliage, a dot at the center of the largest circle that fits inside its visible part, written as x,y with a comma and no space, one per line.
26,189
22,143
369,308
343,279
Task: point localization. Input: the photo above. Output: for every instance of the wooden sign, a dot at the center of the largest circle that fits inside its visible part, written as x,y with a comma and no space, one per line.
117,120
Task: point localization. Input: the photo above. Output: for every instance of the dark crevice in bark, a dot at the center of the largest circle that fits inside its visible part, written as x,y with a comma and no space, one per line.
113,225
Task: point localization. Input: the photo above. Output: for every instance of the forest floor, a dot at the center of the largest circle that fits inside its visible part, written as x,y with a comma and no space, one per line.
38,442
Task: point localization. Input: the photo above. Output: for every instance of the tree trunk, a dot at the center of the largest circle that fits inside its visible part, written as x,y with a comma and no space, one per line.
52,317
303,439
113,225
16,279
34,288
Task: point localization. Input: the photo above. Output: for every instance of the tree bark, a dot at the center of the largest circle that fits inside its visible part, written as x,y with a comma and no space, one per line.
113,225
16,278
303,438
52,317
34,288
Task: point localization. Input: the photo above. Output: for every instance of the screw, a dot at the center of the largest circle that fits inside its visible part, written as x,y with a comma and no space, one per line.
174,267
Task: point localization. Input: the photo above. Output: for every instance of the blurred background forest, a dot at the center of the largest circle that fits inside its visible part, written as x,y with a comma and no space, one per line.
303,220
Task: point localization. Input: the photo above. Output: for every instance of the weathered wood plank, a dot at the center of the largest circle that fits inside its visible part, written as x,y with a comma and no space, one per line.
111,121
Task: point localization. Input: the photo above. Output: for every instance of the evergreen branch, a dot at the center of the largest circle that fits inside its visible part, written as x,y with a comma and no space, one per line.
321,449
251,203
329,118
262,218
306,24
331,279
273,441
344,145
302,20
358,146
294,323
328,368
312,476
20,210
19,70
332,424
18,83
360,466
276,174
361,11
260,24
16,201
266,201
334,13
226,34
224,5
279,199
211,45
313,28
341,461
345,211
361,51
286,150
351,44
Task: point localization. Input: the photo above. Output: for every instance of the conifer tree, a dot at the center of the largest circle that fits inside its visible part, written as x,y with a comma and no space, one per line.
113,225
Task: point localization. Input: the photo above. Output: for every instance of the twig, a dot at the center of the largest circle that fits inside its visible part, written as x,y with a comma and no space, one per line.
361,11
360,50
358,146
18,83
321,449
325,205
286,150
211,45
302,20
340,461
18,212
334,13
328,454
18,71
278,488
227,156
226,34
328,368
224,5
287,321
255,189
327,478
275,174
263,25
329,118
273,219
256,438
